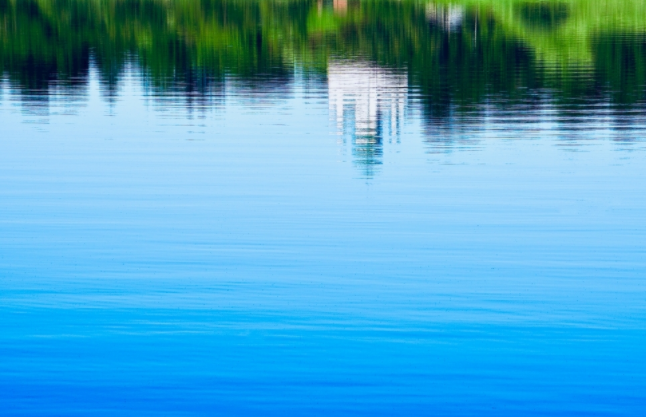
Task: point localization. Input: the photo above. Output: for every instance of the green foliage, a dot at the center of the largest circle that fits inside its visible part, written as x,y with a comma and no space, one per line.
491,47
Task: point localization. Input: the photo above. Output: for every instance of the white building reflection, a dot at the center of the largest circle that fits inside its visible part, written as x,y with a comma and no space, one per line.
367,104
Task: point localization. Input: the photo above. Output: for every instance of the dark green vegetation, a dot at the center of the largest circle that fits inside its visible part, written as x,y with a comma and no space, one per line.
456,54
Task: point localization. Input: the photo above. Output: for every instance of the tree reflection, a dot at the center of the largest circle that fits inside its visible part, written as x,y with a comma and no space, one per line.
459,57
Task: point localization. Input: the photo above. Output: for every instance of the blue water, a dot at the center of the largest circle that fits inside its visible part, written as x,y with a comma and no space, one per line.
244,257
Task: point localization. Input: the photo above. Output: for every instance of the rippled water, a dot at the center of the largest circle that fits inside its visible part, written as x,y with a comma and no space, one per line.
322,208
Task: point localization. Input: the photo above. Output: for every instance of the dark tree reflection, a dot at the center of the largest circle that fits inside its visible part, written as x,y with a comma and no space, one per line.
461,59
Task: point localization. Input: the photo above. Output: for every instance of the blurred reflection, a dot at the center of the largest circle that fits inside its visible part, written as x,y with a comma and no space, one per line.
543,15
367,104
462,62
448,17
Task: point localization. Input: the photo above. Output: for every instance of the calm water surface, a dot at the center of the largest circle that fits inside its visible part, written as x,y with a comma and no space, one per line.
322,208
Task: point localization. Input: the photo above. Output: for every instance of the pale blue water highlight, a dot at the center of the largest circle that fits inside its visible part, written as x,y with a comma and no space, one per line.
240,259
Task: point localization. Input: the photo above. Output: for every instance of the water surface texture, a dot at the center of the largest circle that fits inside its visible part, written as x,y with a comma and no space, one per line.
322,208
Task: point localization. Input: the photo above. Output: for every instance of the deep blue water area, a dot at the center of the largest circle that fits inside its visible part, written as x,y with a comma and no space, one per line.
335,235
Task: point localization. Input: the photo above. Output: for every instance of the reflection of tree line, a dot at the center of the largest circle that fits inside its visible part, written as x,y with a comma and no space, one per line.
186,42
455,55
196,42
